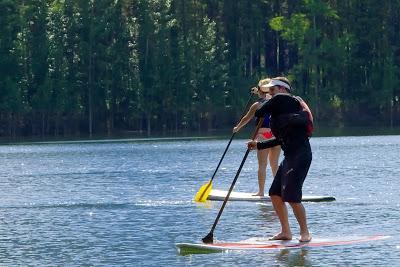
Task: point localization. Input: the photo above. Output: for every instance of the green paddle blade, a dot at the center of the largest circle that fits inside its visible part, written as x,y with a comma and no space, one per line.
203,192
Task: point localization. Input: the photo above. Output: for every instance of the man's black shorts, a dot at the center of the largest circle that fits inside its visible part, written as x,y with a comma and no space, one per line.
289,179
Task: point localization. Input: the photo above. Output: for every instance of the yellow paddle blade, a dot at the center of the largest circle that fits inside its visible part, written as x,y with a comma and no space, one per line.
203,192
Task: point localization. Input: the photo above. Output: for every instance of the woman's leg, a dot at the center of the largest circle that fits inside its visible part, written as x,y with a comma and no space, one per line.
273,156
262,156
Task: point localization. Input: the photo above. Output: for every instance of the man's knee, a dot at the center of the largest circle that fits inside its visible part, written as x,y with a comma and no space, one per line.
295,205
276,199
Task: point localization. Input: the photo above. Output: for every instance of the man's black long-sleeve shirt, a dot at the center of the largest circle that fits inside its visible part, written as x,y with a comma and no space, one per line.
290,139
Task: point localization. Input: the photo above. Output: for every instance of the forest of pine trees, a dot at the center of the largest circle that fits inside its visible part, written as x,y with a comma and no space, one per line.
102,67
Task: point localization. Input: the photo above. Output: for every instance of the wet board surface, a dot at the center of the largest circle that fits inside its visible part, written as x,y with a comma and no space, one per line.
265,244
219,195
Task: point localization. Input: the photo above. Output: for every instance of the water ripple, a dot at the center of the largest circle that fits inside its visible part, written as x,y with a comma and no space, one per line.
128,203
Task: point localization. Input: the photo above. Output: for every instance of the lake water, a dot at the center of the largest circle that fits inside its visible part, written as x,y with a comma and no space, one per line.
128,203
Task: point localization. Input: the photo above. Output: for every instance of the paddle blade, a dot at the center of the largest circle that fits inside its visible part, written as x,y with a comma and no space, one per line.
203,192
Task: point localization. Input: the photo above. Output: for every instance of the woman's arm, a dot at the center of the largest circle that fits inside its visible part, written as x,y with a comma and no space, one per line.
246,118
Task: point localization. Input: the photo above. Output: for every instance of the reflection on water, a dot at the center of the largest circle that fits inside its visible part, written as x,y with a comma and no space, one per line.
267,212
206,205
294,257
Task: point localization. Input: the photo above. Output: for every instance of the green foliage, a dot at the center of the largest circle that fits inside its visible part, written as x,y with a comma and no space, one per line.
293,29
70,67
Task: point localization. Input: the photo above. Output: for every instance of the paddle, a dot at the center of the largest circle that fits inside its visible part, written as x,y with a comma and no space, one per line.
210,237
205,190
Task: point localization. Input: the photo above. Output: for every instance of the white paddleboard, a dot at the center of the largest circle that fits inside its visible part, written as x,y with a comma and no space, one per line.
220,195
264,244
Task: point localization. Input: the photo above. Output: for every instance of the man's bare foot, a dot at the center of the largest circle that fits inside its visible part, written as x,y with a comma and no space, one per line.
281,236
258,194
305,237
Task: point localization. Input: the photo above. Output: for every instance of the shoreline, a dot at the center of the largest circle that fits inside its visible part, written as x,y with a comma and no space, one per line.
220,134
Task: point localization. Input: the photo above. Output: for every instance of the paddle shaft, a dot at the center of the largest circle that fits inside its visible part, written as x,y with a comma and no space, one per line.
226,149
236,177
230,140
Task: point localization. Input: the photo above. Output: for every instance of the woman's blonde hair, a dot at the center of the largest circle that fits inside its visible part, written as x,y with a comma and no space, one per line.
263,82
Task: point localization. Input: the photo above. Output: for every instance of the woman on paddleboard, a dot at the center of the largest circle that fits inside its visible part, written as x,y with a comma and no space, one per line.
264,133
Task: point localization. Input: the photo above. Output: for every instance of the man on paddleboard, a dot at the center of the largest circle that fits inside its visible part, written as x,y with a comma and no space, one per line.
289,126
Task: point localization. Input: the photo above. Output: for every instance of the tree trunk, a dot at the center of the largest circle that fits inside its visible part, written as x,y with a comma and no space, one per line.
43,124
57,124
14,125
90,78
148,117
